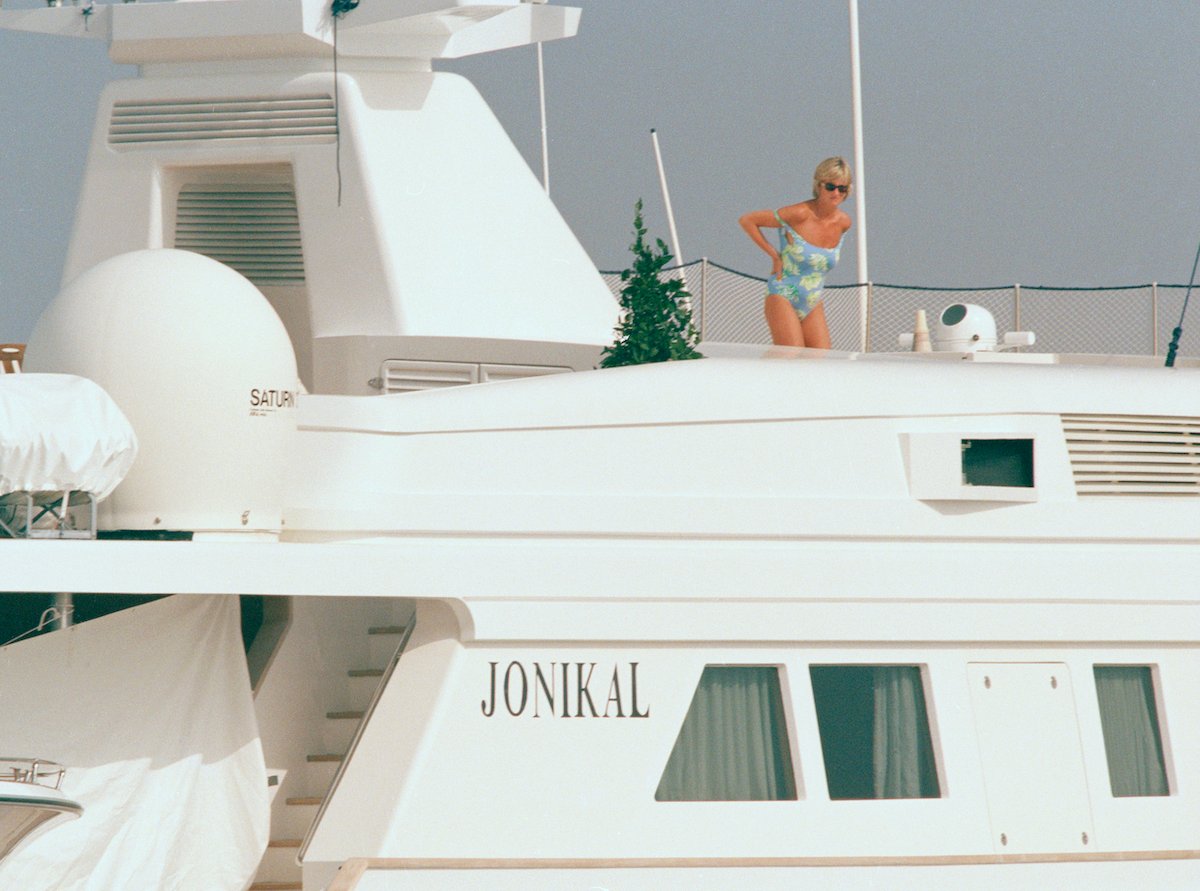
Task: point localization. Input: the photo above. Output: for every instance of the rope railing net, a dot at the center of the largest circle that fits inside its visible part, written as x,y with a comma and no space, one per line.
1128,320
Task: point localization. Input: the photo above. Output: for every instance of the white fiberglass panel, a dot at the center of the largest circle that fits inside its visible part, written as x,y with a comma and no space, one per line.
1033,769
468,242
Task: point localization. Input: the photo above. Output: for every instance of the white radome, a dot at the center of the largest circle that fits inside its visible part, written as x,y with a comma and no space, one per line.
202,366
964,328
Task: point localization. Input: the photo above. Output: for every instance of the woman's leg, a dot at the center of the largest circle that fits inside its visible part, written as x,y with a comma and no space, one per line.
783,322
815,328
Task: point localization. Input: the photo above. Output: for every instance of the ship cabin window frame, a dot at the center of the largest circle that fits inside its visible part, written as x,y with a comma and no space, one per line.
972,465
751,756
1133,724
849,698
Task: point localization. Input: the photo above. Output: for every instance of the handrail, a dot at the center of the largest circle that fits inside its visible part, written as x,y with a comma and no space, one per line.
50,615
362,725
31,771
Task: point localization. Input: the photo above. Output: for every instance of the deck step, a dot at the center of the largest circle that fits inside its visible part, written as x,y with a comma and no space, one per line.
365,672
387,629
345,716
305,800
325,756
284,843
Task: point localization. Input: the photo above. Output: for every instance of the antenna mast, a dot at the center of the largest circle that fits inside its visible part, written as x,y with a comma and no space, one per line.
662,179
542,105
860,171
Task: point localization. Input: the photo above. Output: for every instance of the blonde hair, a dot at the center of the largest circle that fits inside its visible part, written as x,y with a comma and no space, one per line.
829,170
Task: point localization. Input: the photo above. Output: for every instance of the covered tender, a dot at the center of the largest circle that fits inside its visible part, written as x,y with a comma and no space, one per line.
60,433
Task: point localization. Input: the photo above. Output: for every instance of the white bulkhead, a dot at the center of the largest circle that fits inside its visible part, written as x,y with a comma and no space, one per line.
383,210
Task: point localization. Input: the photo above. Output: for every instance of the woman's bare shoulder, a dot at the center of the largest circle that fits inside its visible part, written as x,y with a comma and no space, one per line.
796,213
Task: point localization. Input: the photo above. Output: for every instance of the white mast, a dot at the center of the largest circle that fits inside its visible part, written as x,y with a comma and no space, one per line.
860,171
542,105
662,179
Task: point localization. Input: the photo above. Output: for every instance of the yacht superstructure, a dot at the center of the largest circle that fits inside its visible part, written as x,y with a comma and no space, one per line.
769,617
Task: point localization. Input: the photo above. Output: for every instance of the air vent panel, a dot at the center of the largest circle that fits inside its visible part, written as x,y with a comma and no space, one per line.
303,118
408,375
253,227
1134,454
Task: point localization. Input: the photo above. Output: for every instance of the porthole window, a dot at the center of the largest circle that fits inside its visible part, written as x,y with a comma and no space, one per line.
1132,736
734,744
875,734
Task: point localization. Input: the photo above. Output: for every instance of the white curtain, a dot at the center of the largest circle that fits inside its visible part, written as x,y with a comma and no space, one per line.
150,710
1129,718
733,745
902,752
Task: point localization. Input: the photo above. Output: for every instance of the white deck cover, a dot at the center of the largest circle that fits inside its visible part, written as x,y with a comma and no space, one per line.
61,432
150,711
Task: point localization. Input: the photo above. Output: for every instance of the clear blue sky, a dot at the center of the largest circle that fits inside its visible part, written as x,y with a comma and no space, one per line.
1043,142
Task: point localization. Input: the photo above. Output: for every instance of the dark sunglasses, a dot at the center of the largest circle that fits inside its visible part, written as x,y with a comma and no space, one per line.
830,187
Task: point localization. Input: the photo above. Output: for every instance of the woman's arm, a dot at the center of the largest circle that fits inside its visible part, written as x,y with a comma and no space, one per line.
752,223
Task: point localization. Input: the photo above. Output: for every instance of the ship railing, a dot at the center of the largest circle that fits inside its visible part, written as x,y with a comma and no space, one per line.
32,771
69,514
869,317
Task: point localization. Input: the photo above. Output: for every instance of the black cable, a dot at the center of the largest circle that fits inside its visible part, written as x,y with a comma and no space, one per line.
1178,332
337,111
338,9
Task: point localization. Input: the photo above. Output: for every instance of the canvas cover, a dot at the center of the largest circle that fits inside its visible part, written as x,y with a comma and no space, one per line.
60,432
150,710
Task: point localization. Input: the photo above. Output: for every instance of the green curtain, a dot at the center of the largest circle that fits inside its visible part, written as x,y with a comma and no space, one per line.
1132,740
733,745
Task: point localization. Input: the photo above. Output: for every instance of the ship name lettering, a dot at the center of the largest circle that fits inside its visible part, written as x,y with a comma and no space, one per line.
561,690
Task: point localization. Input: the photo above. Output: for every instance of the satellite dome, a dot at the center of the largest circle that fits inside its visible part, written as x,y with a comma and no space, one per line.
202,367
964,328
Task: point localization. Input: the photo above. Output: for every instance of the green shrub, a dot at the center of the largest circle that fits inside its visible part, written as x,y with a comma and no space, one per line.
656,316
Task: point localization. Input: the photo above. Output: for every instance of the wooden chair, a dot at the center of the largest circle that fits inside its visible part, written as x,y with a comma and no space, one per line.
11,357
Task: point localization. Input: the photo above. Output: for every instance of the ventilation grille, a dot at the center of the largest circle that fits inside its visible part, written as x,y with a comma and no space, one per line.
407,375
252,227
1134,455
306,118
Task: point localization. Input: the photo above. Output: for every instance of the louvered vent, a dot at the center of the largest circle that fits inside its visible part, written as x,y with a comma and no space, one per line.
253,227
407,375
304,118
1134,454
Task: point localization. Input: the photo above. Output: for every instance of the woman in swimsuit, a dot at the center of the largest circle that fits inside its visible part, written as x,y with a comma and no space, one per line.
810,239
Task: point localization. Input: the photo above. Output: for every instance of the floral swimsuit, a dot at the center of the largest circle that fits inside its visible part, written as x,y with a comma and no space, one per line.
804,269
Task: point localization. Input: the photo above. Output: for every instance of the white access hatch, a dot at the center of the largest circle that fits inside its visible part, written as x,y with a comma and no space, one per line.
1032,759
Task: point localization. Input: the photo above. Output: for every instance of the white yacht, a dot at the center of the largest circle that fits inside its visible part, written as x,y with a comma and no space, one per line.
424,601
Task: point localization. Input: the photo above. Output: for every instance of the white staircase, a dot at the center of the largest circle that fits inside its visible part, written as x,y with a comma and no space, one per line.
309,776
